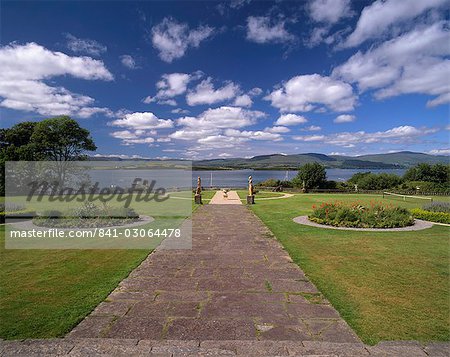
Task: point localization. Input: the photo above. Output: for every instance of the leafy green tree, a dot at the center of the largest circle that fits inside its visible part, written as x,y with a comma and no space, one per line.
428,173
312,174
56,139
62,139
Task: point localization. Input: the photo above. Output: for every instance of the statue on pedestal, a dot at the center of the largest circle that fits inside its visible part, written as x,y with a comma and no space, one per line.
251,192
198,192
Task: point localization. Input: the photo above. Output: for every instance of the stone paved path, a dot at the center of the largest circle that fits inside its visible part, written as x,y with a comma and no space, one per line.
236,283
219,199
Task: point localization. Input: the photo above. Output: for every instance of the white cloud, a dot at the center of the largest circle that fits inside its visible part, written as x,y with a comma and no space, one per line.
262,29
171,85
439,152
291,119
213,123
243,101
312,128
414,62
26,67
398,135
172,39
86,46
344,118
143,121
179,111
204,93
255,92
254,135
278,129
329,11
308,92
309,138
128,61
222,118
381,15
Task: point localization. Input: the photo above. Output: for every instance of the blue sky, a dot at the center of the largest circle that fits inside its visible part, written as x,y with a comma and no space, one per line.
232,79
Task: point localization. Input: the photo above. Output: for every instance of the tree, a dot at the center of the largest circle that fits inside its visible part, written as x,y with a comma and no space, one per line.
428,173
312,174
56,139
62,139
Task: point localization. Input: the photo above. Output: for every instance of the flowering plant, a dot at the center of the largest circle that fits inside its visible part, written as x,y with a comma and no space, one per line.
361,215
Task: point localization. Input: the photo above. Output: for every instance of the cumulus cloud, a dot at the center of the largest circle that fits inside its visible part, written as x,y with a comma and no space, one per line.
309,92
172,39
212,127
290,119
329,11
312,128
398,135
344,118
440,152
414,62
263,29
277,129
204,93
128,61
25,68
172,85
86,46
243,101
381,15
142,121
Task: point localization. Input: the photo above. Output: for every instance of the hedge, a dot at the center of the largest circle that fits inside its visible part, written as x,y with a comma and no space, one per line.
439,217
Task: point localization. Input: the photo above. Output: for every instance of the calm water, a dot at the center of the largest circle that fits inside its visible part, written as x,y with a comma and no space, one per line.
220,178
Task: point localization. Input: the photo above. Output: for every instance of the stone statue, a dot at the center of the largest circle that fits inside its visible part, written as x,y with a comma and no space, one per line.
250,186
199,186
251,192
198,192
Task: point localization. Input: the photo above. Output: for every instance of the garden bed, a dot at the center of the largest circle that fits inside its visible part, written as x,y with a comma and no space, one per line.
356,215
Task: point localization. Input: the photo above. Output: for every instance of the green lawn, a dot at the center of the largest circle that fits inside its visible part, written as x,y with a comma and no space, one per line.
44,293
387,285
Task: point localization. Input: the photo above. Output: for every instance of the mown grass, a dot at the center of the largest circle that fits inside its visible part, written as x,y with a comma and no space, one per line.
386,285
44,293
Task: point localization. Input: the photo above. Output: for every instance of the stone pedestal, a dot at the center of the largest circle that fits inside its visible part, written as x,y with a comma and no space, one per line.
251,200
198,199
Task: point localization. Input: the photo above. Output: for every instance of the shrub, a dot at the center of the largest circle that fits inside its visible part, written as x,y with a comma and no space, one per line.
437,207
269,183
369,181
52,214
357,215
437,173
439,217
312,174
424,187
88,210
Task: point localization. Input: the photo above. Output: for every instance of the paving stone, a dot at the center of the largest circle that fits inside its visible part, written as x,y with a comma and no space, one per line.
329,349
308,310
105,347
211,329
438,349
397,348
49,347
112,308
250,348
92,326
286,332
137,327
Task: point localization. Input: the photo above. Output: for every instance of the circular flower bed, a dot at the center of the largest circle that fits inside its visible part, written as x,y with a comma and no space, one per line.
374,215
87,216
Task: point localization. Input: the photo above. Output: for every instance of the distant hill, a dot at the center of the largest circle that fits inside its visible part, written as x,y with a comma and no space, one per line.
403,159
